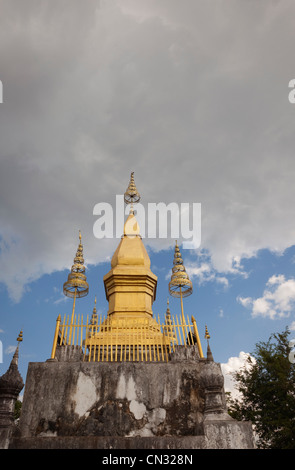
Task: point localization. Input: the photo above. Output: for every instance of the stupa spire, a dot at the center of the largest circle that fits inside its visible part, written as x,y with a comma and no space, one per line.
180,284
207,337
94,316
131,195
12,381
76,285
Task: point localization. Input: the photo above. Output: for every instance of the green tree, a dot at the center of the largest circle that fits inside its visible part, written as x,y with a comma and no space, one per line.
267,387
17,409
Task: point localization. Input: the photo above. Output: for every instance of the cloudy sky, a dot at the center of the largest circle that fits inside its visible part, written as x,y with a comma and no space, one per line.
193,97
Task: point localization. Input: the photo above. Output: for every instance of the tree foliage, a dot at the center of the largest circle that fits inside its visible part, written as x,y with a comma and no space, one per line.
267,387
17,409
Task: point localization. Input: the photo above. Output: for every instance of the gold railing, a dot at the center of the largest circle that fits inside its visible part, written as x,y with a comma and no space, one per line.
108,339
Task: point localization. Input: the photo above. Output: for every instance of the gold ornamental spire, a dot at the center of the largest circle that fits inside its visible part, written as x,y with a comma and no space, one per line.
131,196
180,284
207,337
20,337
168,330
94,316
76,285
16,352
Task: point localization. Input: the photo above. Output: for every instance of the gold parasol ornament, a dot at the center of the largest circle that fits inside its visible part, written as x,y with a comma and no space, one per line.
76,285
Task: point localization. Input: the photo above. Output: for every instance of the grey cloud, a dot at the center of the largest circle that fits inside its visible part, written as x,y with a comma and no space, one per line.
192,96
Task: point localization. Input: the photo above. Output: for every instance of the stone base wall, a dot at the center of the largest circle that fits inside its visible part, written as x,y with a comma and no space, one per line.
226,435
127,405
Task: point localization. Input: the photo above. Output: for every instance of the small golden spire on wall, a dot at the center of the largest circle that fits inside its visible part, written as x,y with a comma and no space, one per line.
207,337
20,336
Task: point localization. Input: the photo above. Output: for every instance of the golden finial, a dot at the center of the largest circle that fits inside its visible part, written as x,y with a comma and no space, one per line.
131,195
15,355
20,337
76,284
168,322
180,284
168,314
94,317
207,337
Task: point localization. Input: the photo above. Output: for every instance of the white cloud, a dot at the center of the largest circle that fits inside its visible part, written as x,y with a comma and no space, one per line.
245,301
196,104
203,270
221,313
276,279
10,349
277,301
233,365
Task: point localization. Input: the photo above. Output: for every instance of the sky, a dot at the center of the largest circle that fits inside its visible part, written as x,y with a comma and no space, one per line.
193,97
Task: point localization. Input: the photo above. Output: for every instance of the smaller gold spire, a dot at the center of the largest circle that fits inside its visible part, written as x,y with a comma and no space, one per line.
15,355
168,330
207,336
94,316
168,313
76,284
209,352
180,284
131,196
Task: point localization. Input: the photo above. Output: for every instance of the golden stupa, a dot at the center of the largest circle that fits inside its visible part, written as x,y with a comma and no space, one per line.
130,288
129,331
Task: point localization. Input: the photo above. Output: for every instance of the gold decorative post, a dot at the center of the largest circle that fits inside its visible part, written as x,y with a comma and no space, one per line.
180,284
197,337
76,285
55,337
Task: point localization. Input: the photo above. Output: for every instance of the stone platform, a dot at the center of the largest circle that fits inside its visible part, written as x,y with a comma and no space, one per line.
179,404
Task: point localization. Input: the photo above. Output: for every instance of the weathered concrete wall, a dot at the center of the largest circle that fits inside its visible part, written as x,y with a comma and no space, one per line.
111,399
179,404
